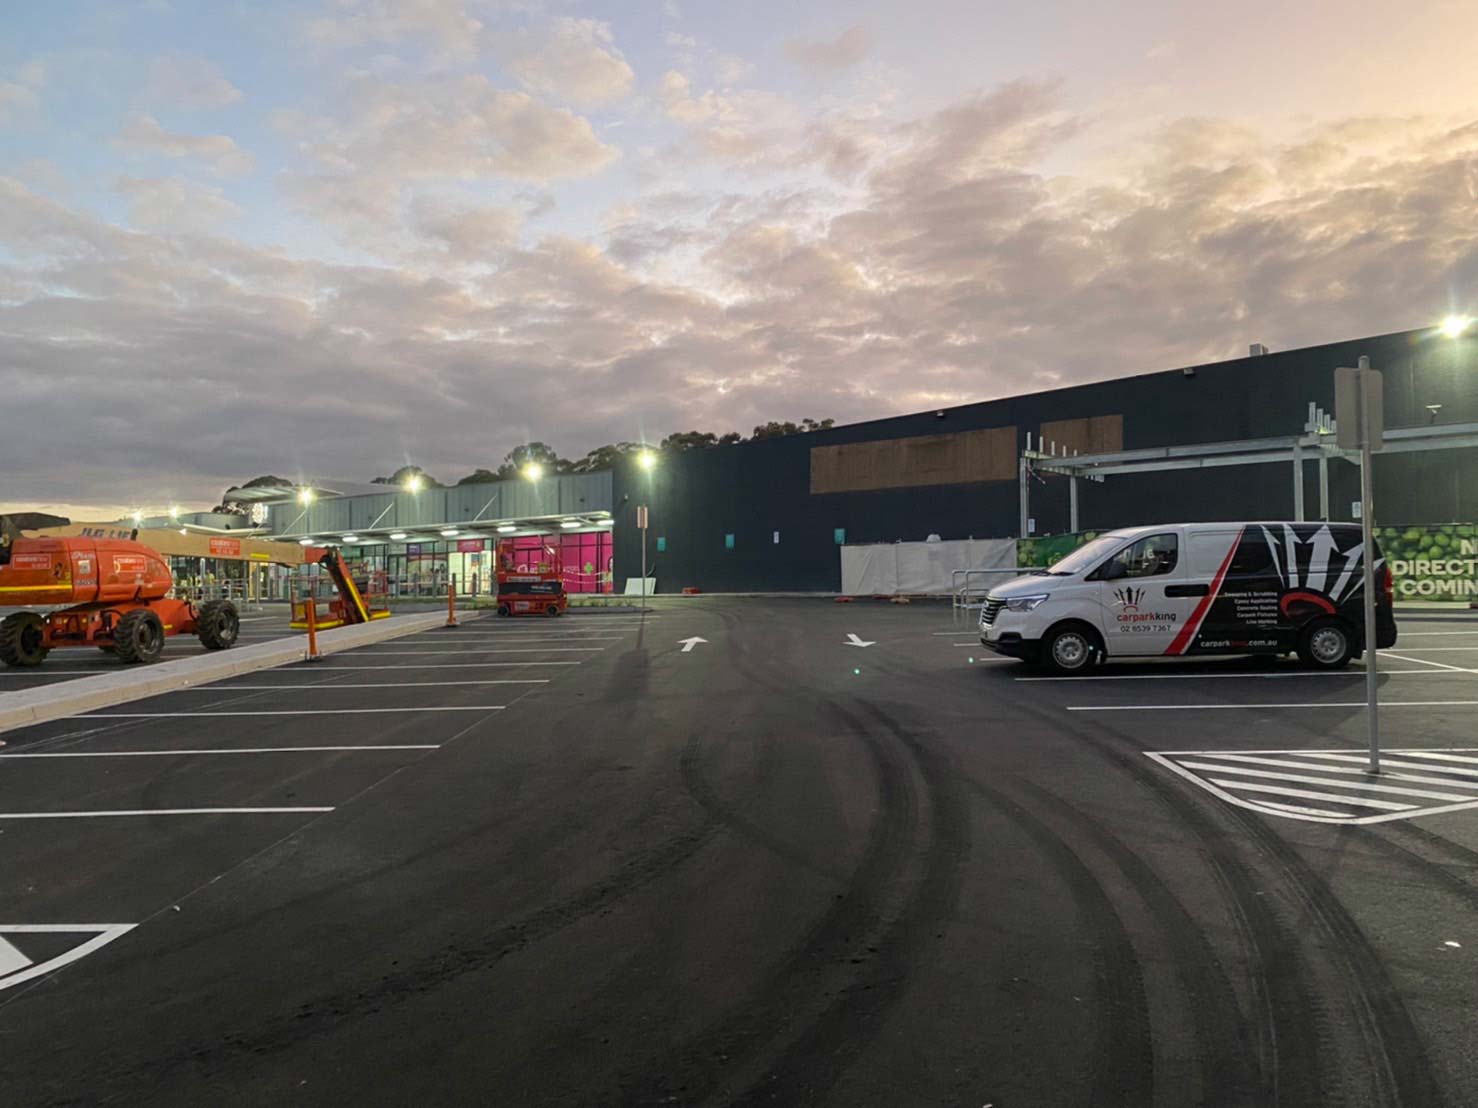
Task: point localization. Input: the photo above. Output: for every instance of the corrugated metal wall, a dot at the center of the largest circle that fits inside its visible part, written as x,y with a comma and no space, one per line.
754,490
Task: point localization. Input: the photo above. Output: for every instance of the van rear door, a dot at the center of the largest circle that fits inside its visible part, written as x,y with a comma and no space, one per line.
1241,568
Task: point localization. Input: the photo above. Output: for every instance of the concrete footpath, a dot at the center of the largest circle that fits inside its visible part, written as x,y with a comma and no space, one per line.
38,705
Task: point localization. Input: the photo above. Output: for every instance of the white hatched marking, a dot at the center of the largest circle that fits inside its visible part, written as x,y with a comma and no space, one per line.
1338,779
1280,790
1327,782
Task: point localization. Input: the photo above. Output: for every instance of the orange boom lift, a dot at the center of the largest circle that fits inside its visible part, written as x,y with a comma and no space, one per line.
102,592
358,601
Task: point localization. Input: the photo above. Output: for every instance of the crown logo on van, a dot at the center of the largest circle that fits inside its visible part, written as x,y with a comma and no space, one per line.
1129,598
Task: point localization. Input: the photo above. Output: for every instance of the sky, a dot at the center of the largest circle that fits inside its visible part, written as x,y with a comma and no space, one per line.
332,237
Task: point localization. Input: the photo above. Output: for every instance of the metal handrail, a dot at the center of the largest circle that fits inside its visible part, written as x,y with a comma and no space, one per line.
962,594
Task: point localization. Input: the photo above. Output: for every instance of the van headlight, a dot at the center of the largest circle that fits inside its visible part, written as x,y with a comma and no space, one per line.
1024,603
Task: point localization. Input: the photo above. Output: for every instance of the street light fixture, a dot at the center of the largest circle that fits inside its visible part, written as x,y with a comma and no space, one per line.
174,511
1454,326
138,516
647,460
414,483
305,496
533,471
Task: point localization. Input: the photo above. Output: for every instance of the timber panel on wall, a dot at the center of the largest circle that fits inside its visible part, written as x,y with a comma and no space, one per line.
1095,435
953,459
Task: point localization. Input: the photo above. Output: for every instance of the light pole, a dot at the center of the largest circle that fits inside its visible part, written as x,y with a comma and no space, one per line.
648,461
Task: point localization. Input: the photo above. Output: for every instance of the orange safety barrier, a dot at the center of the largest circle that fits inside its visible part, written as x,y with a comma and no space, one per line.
451,605
311,611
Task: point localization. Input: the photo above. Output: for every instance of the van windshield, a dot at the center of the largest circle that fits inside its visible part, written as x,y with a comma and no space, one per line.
1086,556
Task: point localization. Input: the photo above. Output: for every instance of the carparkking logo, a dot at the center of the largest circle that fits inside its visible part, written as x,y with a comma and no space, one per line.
1129,598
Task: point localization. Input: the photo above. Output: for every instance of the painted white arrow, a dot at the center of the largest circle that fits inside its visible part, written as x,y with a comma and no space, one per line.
853,640
688,644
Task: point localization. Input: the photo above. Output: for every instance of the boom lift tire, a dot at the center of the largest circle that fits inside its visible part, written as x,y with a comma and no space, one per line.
139,636
219,625
21,637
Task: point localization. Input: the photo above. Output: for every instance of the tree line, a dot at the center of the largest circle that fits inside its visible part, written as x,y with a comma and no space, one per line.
539,453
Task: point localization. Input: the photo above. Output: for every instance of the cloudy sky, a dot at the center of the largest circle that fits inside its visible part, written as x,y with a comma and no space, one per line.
332,236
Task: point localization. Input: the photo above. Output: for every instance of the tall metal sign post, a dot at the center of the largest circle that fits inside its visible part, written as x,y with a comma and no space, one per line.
1359,413
641,523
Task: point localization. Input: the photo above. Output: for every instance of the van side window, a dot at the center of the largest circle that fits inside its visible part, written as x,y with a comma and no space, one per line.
1149,557
1252,559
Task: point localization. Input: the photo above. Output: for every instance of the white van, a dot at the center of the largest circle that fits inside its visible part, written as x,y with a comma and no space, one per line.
1190,589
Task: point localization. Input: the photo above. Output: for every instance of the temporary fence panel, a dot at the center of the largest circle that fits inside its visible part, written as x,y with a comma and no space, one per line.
919,568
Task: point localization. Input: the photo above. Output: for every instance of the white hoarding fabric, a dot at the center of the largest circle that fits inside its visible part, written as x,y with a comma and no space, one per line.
918,568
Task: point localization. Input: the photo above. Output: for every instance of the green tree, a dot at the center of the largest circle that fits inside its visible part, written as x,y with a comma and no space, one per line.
230,507
605,457
689,440
479,476
528,453
405,473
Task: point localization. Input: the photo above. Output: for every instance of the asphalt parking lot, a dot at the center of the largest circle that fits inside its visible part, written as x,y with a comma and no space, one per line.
829,854
258,624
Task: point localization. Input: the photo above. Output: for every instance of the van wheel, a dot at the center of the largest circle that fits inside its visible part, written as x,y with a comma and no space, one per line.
1326,644
1069,650
504,611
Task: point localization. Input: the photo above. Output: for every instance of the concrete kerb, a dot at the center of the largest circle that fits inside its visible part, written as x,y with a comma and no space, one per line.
39,705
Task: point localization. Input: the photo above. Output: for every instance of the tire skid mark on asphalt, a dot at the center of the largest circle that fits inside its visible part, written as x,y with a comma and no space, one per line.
1286,1040
1229,1074
1394,1054
824,1050
1123,1069
804,975
734,819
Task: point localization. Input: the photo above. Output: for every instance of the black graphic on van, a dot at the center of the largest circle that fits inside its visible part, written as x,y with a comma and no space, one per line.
1278,579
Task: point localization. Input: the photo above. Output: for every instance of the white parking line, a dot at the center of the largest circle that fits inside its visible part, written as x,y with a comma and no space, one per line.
163,812
1425,662
489,650
1242,676
1445,649
324,667
296,712
1313,704
233,750
367,685
459,641
1430,634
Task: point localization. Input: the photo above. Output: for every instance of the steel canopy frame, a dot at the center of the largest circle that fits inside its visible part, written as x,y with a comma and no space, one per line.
1317,441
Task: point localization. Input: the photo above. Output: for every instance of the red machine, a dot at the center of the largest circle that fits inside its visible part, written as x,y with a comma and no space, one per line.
107,593
530,588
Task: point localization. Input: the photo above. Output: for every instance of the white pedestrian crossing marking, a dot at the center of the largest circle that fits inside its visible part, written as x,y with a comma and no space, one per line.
1274,781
